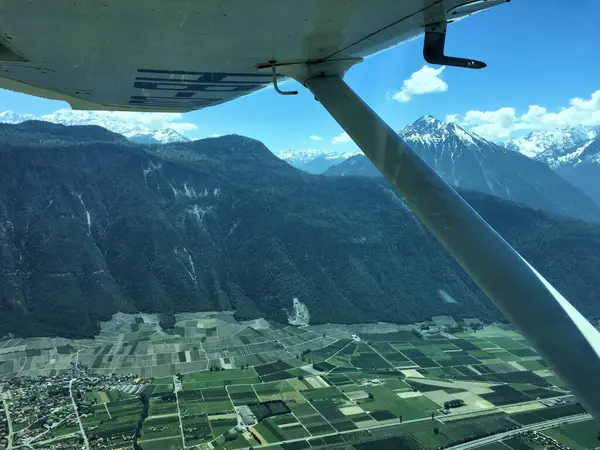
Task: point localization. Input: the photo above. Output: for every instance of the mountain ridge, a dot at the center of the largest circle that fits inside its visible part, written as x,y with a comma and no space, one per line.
581,166
91,227
314,161
551,142
466,160
133,130
572,152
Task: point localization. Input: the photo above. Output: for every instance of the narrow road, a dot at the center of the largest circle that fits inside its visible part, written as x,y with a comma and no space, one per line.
49,441
77,358
178,387
85,439
534,427
114,352
10,427
107,411
26,445
34,439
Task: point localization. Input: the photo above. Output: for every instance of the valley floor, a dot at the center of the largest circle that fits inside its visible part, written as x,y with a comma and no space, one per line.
213,382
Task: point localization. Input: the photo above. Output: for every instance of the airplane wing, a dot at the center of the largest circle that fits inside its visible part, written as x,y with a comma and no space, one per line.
181,55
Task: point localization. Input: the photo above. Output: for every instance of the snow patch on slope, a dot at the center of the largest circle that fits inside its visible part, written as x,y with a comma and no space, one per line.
190,192
445,297
152,167
87,214
188,263
555,161
198,212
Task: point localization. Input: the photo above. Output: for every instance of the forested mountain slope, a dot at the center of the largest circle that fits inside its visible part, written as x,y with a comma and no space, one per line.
91,224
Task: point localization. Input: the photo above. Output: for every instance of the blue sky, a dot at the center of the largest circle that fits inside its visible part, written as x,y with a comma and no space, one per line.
542,73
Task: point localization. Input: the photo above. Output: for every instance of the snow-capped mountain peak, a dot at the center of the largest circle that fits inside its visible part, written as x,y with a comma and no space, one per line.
562,156
312,153
124,124
551,142
427,121
13,117
428,130
468,161
314,160
580,165
164,136
425,124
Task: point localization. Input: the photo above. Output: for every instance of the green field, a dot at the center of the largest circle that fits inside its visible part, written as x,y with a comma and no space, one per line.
171,443
163,405
160,428
578,436
385,400
348,384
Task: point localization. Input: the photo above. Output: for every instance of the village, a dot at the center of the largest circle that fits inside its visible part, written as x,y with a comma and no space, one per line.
38,406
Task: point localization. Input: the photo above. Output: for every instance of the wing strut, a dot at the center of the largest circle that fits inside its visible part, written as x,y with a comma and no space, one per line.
566,340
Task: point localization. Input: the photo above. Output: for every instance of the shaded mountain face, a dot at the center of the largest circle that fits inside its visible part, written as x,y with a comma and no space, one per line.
91,224
573,152
556,158
465,160
313,160
581,166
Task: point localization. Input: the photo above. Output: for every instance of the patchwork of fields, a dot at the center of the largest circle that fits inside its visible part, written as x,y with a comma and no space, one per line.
365,386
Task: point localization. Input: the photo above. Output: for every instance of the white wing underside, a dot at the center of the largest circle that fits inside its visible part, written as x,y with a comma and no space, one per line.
176,55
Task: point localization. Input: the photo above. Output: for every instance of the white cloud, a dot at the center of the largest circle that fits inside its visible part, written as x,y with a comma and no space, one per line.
315,138
504,122
340,138
181,127
424,81
215,135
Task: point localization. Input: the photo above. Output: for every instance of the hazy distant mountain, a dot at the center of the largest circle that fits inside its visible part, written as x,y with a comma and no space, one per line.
468,161
573,152
313,160
558,157
551,142
133,130
13,117
91,224
581,166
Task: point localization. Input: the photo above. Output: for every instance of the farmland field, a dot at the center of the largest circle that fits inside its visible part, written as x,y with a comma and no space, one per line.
365,386
580,435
